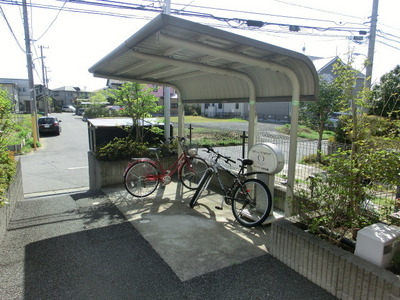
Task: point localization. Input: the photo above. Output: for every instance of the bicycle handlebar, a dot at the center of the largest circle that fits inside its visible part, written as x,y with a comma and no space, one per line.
180,139
227,159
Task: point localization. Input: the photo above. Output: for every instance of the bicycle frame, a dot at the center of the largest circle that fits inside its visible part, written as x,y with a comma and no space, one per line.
226,192
165,174
238,178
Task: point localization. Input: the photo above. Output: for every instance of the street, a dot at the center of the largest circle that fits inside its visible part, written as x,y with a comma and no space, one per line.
61,162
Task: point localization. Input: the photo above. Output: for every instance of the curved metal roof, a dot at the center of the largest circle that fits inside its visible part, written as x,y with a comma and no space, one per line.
208,65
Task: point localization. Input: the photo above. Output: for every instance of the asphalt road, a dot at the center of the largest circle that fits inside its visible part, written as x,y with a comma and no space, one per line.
80,246
61,162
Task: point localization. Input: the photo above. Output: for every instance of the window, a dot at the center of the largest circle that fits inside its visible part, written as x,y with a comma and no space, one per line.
219,105
236,105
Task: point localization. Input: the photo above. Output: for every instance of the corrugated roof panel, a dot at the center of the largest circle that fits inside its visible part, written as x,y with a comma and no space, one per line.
176,52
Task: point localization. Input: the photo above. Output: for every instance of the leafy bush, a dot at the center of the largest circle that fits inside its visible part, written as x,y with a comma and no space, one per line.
314,159
340,199
7,171
7,162
21,127
122,148
96,111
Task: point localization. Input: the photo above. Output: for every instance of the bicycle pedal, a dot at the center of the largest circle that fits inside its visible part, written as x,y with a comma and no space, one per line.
218,207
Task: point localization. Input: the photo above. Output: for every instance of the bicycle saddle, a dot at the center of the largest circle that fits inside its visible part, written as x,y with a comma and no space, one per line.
246,161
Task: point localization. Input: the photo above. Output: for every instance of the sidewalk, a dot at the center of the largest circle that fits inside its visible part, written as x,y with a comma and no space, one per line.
112,246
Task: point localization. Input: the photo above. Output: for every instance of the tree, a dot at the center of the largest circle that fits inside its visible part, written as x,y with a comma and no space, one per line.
139,103
386,95
315,115
97,103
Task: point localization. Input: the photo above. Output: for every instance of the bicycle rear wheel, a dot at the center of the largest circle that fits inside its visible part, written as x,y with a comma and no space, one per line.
192,171
202,185
251,203
141,179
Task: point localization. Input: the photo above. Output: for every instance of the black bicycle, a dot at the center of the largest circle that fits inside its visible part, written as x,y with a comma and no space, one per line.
249,197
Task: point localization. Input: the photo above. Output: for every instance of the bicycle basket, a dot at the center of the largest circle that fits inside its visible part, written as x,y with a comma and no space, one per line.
192,152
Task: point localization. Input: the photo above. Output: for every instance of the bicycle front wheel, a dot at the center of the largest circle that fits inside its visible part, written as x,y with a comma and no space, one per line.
192,171
251,203
202,185
141,179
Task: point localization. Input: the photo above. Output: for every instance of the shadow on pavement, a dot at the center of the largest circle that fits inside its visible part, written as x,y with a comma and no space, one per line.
112,262
81,246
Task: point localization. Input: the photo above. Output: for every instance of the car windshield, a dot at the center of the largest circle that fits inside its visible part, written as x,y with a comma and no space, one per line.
46,120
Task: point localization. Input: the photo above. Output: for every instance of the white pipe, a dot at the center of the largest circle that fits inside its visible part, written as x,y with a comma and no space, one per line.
181,113
213,70
242,58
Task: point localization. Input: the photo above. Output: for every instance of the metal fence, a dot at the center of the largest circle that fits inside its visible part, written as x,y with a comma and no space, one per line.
233,143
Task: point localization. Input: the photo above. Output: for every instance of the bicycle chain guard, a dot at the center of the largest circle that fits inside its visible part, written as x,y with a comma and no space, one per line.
166,180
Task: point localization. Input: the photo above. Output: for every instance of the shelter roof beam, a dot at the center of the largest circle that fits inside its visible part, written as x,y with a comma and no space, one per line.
132,67
184,76
159,72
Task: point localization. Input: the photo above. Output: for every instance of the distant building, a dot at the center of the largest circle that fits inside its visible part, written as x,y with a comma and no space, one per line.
325,68
275,111
158,92
18,91
67,95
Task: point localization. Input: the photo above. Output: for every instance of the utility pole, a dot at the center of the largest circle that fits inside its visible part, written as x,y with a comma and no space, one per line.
371,44
46,106
30,75
166,91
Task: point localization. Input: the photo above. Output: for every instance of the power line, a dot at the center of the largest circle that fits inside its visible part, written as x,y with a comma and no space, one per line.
11,30
317,9
236,23
51,24
149,8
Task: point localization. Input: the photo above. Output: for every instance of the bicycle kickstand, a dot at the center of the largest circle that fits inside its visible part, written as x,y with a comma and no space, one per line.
221,207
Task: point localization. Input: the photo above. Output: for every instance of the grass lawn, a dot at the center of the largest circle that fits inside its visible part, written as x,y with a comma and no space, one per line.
200,119
306,133
22,127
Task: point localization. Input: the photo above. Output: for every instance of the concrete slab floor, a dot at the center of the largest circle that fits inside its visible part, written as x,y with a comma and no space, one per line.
192,241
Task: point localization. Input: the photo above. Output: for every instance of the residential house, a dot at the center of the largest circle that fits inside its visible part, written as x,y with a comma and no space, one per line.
325,68
275,111
18,91
158,92
67,95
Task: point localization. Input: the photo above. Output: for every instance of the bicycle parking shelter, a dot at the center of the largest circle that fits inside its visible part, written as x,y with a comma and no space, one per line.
208,65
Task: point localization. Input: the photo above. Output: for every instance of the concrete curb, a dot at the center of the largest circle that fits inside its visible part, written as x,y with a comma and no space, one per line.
14,193
339,272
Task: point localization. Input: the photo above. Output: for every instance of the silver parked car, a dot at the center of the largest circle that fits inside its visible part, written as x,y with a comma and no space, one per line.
68,108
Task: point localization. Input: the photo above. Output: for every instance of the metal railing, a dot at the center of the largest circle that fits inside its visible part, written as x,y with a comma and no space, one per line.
234,143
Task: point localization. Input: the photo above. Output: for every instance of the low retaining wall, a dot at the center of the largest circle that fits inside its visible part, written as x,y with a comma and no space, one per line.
14,193
341,273
108,173
18,147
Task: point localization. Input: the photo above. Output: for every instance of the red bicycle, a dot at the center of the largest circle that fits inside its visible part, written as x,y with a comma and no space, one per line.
143,175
